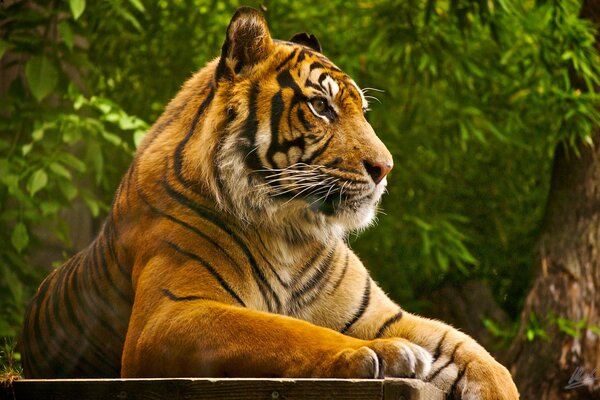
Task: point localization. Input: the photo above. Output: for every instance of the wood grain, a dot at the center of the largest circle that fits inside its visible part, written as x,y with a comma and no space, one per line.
201,388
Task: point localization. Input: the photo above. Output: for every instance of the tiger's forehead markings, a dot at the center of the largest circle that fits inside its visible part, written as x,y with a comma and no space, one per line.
319,73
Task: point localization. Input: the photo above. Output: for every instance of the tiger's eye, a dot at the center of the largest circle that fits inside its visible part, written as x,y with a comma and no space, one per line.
319,104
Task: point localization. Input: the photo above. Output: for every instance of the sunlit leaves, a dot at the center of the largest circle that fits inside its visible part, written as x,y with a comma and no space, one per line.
37,181
77,7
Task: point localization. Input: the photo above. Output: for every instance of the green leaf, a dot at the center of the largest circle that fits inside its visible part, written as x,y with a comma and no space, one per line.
58,169
26,148
49,208
41,76
95,159
112,138
12,183
74,162
37,181
66,33
38,134
71,135
77,7
19,237
138,5
92,204
67,189
530,335
4,46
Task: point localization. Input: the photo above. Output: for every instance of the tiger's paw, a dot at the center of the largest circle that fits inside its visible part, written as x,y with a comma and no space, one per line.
478,379
383,357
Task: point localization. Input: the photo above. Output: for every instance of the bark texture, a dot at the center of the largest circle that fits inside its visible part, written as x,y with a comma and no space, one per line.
567,286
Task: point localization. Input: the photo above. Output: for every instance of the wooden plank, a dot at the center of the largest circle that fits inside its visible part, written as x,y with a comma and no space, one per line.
202,388
197,389
410,389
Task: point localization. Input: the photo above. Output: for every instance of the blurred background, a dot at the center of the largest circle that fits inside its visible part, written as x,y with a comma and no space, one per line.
488,106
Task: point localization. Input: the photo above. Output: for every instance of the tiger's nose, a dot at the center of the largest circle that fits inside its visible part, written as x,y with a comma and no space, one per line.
377,170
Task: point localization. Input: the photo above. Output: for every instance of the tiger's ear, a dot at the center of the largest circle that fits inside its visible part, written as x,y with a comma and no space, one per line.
308,40
248,41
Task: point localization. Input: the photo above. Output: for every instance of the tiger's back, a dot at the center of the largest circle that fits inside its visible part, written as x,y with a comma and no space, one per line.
75,326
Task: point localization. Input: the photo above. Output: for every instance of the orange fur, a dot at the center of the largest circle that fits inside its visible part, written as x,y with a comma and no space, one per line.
229,229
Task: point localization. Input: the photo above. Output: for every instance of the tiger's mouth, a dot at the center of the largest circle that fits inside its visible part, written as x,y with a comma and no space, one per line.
326,190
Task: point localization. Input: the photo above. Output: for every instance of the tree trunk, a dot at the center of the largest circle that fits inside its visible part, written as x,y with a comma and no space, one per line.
567,287
565,297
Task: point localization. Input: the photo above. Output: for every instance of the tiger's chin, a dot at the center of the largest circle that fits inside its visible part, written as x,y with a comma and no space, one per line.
322,219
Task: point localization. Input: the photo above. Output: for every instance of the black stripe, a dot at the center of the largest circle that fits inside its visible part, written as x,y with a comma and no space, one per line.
277,108
363,306
75,359
65,272
342,275
459,377
320,151
90,311
322,282
109,237
326,61
286,60
301,56
193,229
173,297
316,65
31,317
100,351
317,277
125,297
128,183
271,267
210,269
311,262
307,125
42,344
178,156
438,349
212,217
309,83
432,376
394,318
101,301
251,157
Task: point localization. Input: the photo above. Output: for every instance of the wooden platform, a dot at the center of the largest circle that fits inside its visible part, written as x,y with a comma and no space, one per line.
201,389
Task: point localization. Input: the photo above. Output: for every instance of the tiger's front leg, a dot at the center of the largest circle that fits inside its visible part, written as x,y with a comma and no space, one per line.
462,368
197,337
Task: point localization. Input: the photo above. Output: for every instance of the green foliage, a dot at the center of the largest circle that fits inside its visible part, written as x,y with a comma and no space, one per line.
535,329
475,95
543,327
54,142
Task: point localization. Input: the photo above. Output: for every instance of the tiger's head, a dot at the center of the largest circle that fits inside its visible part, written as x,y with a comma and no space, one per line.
295,152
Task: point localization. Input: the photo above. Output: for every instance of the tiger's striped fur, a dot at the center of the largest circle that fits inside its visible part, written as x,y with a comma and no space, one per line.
224,253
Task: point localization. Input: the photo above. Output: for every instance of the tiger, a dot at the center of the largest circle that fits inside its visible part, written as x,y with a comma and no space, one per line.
225,250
